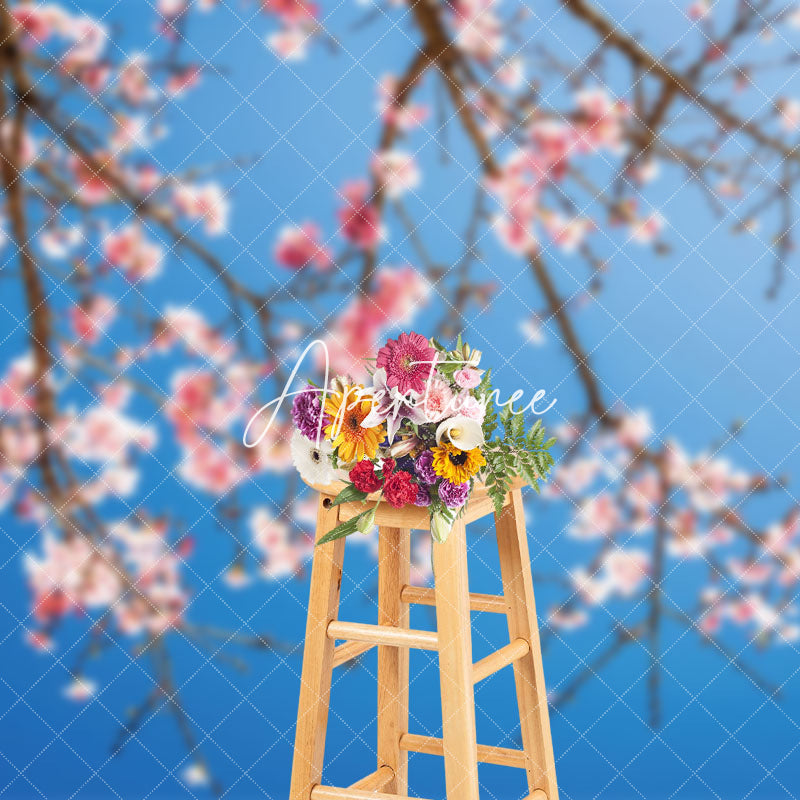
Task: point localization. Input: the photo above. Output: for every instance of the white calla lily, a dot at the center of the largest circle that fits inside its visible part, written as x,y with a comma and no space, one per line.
462,432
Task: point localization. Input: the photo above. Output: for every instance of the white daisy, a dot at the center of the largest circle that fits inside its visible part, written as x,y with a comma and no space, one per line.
313,463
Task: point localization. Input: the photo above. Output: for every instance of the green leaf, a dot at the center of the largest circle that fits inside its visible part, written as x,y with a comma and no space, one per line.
344,528
348,495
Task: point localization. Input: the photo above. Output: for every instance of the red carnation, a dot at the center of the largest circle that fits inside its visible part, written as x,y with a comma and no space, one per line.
399,490
387,467
364,478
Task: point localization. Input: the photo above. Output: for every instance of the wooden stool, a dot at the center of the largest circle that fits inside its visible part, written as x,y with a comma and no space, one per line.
452,640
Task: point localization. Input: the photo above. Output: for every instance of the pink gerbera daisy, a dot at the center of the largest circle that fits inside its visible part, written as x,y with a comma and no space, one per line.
408,361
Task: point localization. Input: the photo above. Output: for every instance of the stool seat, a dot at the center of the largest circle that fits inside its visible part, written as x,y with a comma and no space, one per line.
452,641
413,517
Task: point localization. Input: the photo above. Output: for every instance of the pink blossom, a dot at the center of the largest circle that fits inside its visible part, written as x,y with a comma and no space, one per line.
103,433
211,467
478,29
134,82
57,242
144,179
71,574
626,570
512,73
89,40
396,171
397,293
577,474
206,202
282,556
566,232
298,247
551,143
194,403
91,319
437,399
130,132
28,149
789,111
406,117
601,119
16,394
470,406
80,689
171,8
290,42
634,429
467,377
20,442
291,11
128,250
40,21
749,572
698,9
196,335
568,619
180,81
358,218
644,229
91,186
597,516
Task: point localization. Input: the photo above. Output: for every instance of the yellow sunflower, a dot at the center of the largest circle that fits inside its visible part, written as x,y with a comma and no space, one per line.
346,411
457,466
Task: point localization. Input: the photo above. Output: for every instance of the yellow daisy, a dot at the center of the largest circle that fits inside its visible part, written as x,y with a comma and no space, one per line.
457,465
347,410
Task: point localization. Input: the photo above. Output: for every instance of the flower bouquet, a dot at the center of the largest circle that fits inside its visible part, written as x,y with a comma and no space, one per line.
423,433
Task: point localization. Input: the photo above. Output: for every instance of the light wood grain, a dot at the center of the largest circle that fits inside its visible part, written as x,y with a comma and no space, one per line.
383,634
394,567
411,517
422,595
347,651
315,682
487,754
376,781
455,665
393,637
515,568
499,659
332,793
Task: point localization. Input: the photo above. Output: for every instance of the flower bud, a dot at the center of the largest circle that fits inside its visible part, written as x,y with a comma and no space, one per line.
403,447
366,521
474,358
440,528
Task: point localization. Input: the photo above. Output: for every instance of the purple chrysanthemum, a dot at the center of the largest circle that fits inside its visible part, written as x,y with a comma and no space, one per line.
423,497
307,410
423,466
454,495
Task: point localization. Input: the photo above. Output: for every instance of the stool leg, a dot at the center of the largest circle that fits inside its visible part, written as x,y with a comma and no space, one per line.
315,686
515,567
394,556
455,665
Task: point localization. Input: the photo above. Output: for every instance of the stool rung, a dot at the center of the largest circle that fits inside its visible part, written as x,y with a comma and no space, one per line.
375,781
488,754
423,596
347,651
383,634
332,793
499,659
